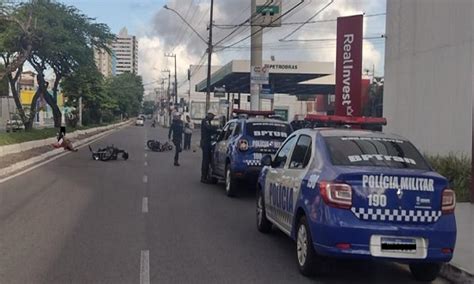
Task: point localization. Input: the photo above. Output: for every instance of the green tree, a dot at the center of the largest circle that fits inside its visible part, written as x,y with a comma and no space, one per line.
148,107
67,41
3,83
52,36
127,89
87,82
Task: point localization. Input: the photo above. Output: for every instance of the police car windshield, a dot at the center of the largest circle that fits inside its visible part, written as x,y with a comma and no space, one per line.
374,151
268,130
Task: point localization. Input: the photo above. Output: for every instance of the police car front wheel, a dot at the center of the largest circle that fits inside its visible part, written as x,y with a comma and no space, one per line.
426,272
306,257
230,183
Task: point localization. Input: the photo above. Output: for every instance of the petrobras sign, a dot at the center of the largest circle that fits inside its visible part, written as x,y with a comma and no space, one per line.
259,75
349,66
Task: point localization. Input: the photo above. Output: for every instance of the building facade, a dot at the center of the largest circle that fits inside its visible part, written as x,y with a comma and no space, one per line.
125,49
429,57
104,62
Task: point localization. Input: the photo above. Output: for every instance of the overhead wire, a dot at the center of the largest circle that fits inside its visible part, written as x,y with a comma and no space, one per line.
309,19
249,20
261,28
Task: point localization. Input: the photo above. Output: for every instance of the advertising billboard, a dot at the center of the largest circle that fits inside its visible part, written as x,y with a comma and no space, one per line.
349,65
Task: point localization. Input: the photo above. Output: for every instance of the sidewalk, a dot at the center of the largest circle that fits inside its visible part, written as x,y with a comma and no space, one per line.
464,251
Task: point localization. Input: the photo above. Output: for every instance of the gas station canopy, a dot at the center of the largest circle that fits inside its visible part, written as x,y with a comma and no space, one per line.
284,78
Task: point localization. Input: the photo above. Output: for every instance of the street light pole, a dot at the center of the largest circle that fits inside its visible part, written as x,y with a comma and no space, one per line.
255,57
209,60
209,48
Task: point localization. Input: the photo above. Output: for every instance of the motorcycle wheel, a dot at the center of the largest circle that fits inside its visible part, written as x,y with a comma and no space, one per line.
107,154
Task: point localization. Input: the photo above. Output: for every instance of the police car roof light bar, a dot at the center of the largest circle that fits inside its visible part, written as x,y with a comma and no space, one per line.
253,112
346,120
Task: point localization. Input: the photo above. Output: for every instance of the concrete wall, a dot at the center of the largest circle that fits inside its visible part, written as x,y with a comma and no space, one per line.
6,102
429,73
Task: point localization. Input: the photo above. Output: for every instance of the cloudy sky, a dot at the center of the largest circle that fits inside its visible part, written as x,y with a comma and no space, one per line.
160,31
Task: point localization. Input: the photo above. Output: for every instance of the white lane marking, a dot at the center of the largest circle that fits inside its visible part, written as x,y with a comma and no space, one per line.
24,171
145,178
145,267
146,164
146,155
145,205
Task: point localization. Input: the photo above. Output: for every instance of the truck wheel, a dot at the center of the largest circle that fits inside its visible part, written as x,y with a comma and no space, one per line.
230,183
306,257
263,225
425,272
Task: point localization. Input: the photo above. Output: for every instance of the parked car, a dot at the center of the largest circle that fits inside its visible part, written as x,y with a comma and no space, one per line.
357,194
140,122
240,146
14,124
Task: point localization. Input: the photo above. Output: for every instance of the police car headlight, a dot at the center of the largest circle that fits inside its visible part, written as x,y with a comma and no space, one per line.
448,203
243,145
337,195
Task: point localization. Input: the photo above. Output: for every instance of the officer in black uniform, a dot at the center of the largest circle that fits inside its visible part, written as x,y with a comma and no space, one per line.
207,130
177,130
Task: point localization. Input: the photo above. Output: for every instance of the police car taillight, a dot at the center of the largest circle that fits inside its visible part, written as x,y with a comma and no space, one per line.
448,201
336,194
243,145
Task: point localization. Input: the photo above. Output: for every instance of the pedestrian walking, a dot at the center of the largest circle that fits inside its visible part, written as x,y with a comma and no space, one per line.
207,130
176,130
188,132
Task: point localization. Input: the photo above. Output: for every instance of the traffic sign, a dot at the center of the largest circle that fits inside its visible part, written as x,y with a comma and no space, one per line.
269,13
259,75
219,92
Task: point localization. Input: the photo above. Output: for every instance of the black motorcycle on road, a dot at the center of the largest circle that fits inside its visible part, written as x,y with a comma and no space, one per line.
157,146
108,153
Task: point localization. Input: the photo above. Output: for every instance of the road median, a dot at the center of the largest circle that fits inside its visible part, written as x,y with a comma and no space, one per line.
41,151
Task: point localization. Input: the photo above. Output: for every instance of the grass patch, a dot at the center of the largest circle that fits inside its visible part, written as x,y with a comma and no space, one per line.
36,134
457,169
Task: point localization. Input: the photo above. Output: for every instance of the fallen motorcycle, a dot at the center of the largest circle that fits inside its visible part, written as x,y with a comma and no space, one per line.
157,146
108,153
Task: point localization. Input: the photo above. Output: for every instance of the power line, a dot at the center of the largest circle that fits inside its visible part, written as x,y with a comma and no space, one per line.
183,29
280,46
249,20
312,17
261,28
231,26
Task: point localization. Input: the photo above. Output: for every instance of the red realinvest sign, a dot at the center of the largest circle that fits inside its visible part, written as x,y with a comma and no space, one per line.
349,66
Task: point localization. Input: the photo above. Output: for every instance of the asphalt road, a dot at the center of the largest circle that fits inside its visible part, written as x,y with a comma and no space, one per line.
76,220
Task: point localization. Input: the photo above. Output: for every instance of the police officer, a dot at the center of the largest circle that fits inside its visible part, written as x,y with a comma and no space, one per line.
177,130
207,130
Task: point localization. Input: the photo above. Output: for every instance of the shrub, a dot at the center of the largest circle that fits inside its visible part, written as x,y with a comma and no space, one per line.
457,169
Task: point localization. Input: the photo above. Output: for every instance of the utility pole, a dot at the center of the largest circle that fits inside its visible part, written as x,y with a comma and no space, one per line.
209,58
255,56
175,93
168,107
209,48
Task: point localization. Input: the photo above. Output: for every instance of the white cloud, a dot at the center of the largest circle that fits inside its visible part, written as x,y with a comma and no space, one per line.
165,33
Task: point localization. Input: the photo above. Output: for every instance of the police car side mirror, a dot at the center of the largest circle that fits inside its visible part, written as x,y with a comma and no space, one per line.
266,160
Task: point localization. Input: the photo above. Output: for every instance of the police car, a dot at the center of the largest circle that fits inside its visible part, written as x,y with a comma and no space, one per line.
241,145
357,194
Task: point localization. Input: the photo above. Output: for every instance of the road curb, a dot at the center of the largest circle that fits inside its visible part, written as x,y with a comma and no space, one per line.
25,146
456,274
45,156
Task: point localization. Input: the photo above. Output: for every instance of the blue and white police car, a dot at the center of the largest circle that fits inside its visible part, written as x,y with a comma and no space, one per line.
240,146
357,194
